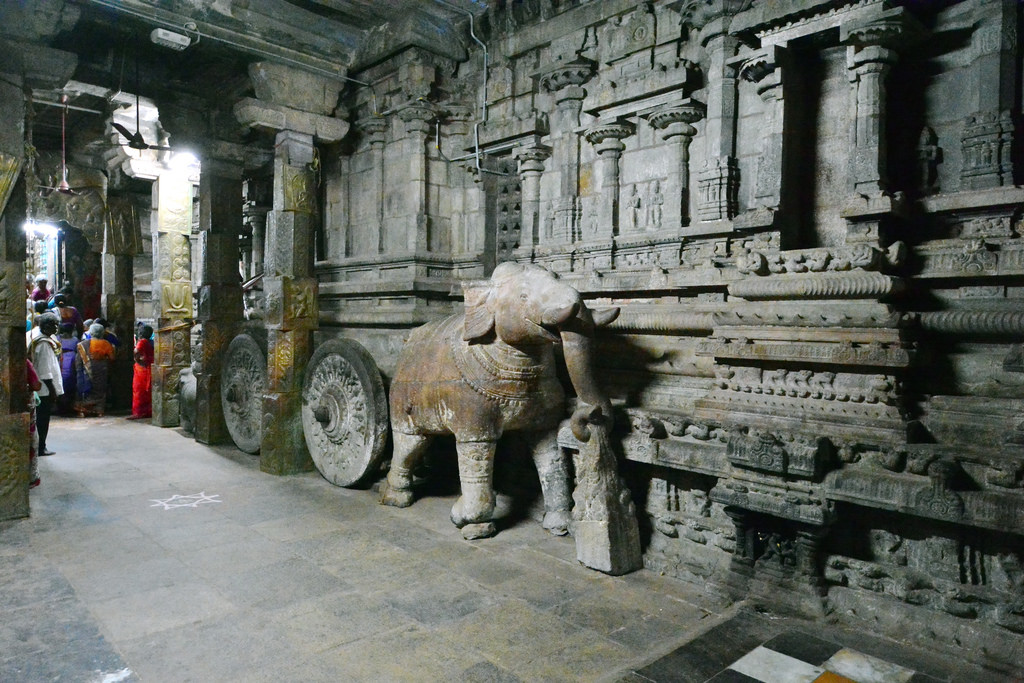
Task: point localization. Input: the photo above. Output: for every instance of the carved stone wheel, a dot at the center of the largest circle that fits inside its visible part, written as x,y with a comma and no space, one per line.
243,383
344,412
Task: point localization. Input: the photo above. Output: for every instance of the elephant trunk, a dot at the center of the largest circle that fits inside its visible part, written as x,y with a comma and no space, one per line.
577,345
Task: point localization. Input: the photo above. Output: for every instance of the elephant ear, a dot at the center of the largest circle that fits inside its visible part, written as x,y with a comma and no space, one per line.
479,319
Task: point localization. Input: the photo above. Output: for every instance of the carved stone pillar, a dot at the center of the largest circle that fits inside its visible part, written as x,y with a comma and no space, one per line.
295,105
765,69
565,83
531,165
220,292
718,180
172,289
607,140
374,129
14,420
256,217
870,56
122,241
674,124
418,122
291,295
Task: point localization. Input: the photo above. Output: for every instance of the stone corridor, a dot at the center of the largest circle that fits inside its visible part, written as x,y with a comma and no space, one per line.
150,557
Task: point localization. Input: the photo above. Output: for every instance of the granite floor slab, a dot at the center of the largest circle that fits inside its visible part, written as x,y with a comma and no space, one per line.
150,557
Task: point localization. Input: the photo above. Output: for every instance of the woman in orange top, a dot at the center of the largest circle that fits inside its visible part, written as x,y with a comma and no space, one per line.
92,368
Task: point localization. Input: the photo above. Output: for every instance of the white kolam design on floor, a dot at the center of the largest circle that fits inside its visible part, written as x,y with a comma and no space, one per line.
194,500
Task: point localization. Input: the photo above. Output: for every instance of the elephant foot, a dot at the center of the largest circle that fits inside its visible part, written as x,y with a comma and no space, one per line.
460,517
399,498
557,522
474,531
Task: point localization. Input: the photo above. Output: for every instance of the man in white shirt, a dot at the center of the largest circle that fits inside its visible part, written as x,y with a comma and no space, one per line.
44,352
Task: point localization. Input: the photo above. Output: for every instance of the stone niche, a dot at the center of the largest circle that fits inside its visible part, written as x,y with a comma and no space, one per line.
807,214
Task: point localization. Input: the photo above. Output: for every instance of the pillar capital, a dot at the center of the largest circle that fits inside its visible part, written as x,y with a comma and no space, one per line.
271,117
675,120
568,76
891,29
532,157
294,88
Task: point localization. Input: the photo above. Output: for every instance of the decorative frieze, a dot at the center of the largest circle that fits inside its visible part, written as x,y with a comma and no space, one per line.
861,256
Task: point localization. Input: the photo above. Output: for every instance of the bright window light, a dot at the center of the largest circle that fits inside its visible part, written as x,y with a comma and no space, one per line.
40,229
183,160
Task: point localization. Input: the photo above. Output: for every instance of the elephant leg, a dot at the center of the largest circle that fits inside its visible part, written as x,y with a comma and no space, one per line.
397,490
474,509
555,482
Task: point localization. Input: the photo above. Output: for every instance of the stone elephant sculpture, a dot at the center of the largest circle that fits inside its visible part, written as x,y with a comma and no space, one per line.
491,369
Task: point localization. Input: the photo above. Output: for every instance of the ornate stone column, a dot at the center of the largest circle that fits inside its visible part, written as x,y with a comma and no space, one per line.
607,140
418,122
172,289
123,240
718,180
374,129
565,83
292,311
256,217
674,123
296,105
531,165
871,53
220,292
765,69
870,57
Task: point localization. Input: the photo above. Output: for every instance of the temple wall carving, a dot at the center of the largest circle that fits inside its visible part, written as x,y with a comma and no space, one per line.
815,249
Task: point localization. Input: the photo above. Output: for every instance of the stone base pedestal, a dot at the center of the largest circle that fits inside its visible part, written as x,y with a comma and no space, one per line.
14,465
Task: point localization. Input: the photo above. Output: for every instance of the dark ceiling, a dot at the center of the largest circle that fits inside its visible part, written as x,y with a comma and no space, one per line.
115,54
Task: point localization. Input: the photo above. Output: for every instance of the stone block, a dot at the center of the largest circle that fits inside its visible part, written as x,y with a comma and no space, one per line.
218,254
175,299
294,188
295,88
288,353
14,465
219,302
283,447
291,304
12,294
165,396
173,195
13,384
272,117
289,247
209,426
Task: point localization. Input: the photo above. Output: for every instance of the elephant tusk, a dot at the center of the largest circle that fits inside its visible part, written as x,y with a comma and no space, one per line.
558,316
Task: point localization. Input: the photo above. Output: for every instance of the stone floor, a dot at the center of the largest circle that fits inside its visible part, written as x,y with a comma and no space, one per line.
149,557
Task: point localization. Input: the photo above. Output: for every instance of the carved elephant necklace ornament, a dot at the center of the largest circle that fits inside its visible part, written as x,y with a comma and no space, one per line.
490,370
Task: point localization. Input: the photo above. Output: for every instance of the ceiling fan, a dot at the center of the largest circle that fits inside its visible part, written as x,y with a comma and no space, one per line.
135,140
63,186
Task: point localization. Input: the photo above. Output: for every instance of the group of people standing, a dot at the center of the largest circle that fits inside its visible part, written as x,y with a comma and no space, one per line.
68,367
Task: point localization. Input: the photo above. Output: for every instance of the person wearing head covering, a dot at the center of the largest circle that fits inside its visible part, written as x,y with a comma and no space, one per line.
92,369
68,313
40,293
44,352
142,380
68,351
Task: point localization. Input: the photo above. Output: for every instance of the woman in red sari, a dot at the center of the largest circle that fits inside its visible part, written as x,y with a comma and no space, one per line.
142,399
